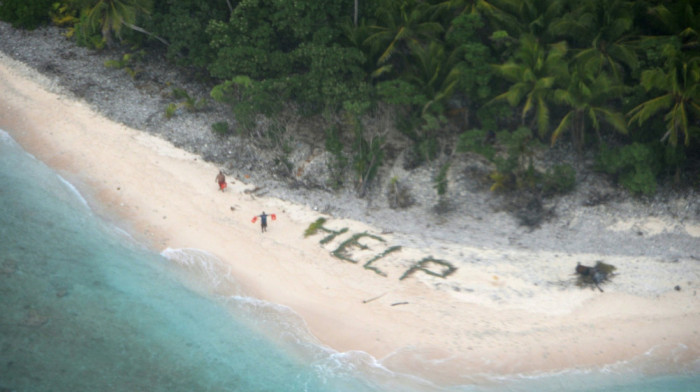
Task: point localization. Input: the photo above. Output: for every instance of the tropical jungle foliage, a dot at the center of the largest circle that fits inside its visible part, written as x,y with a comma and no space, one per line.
496,77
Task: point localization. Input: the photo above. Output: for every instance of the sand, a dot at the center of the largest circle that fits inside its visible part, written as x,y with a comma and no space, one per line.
502,311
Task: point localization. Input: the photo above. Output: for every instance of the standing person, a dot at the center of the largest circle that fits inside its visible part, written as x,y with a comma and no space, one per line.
221,180
263,220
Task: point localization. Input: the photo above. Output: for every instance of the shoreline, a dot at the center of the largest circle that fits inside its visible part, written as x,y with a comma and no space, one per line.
494,314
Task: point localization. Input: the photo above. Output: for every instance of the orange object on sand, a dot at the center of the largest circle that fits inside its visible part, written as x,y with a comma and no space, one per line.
273,216
255,218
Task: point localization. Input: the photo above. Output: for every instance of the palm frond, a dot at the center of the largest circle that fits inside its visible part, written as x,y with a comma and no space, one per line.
527,107
677,119
510,71
542,116
593,117
545,83
625,54
614,118
564,124
381,71
645,110
386,55
563,96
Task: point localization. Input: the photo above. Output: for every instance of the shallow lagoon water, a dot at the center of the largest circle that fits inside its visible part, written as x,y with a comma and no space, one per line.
86,308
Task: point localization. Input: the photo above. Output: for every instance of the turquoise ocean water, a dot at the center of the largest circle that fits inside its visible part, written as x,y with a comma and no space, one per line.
84,307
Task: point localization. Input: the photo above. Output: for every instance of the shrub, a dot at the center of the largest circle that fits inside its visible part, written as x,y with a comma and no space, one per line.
398,194
183,24
635,166
337,164
220,128
368,156
441,179
514,168
64,14
478,141
191,104
25,14
559,179
127,63
87,35
188,102
170,110
291,50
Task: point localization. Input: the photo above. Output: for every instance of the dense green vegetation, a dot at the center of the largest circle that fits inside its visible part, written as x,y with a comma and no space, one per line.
500,78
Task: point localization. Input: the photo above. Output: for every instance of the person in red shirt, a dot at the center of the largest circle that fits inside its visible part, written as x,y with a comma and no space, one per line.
221,179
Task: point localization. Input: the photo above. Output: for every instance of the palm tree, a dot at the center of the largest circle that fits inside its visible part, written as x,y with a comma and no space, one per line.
359,37
534,73
488,9
475,57
111,15
435,73
401,22
602,29
587,96
534,17
679,84
681,20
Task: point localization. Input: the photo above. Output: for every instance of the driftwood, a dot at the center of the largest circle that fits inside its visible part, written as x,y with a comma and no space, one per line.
364,301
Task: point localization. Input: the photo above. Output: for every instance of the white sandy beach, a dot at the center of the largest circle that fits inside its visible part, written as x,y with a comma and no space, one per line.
502,311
